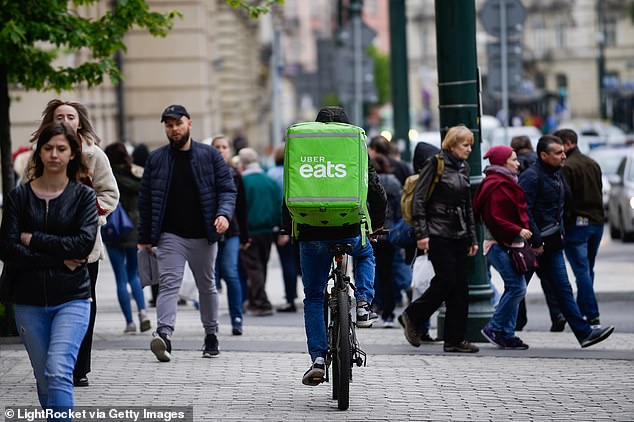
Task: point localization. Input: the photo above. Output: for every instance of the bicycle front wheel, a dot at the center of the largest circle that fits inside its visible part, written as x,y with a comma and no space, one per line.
342,363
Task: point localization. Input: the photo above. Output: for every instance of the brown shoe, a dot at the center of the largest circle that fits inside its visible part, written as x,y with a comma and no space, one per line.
460,347
410,331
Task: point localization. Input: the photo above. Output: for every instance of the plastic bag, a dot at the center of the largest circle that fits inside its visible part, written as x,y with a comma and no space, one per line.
422,273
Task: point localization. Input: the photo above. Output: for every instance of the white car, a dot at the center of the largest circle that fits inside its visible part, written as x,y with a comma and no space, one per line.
499,137
621,202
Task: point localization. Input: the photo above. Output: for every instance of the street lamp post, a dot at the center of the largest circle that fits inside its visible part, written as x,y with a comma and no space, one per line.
601,59
458,93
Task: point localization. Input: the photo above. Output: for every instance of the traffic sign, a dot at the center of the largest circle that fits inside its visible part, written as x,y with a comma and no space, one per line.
490,16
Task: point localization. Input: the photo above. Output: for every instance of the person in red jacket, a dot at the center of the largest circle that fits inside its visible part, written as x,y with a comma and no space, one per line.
501,203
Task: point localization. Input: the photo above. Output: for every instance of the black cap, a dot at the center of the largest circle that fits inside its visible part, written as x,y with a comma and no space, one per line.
174,111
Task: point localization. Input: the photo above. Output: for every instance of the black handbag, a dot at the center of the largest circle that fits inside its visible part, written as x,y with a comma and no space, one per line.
523,258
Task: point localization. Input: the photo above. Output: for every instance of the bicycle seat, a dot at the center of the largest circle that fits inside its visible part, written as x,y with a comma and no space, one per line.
341,249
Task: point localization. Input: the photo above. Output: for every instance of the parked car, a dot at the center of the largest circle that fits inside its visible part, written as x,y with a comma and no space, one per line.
621,202
595,134
498,137
609,160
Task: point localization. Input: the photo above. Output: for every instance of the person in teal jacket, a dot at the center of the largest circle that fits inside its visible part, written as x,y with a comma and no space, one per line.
264,204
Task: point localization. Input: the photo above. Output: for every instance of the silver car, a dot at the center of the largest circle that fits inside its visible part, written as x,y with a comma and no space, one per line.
621,202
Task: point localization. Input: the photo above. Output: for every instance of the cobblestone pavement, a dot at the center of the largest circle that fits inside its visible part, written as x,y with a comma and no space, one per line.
258,375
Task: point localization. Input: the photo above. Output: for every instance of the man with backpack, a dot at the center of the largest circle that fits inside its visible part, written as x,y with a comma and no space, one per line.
316,240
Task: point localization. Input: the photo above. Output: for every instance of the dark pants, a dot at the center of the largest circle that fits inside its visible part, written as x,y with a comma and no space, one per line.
82,367
450,285
384,277
255,259
289,259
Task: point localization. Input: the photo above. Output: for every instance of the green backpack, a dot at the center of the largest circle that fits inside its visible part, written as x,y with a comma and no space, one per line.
326,175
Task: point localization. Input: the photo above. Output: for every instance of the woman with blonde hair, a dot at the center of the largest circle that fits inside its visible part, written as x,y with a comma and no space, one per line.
445,229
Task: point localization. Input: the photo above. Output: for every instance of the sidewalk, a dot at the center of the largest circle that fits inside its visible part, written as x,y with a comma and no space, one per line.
258,375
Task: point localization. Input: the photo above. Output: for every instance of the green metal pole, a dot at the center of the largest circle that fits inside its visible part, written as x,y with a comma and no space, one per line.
458,93
398,68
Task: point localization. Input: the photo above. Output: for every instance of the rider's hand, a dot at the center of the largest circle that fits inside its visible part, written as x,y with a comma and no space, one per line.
525,234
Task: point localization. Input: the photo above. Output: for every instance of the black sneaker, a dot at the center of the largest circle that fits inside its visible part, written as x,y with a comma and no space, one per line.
558,324
597,335
81,381
365,316
161,346
595,323
514,343
410,331
210,348
236,326
315,374
426,338
460,347
492,336
288,308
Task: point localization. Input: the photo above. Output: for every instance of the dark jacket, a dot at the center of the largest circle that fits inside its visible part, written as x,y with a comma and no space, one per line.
583,176
239,222
377,203
448,213
393,192
128,185
545,191
66,229
501,202
214,184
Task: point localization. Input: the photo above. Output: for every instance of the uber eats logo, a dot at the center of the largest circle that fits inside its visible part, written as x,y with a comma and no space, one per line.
316,166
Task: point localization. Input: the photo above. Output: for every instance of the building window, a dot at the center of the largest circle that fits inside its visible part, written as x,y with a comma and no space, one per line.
562,80
540,81
560,34
610,31
539,42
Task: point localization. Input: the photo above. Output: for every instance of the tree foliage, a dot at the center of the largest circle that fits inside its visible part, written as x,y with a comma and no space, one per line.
35,33
382,81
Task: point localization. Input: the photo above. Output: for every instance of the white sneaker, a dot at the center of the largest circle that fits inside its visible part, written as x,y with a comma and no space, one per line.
130,328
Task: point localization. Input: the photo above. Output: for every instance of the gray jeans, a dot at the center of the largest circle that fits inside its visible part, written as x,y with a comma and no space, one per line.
172,253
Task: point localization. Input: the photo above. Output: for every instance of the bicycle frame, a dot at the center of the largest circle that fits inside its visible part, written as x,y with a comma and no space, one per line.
341,289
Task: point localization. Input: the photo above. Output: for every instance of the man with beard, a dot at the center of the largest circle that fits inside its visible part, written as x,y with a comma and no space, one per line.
186,200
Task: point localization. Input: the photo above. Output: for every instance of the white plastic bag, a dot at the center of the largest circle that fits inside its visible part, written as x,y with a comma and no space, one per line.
422,273
188,290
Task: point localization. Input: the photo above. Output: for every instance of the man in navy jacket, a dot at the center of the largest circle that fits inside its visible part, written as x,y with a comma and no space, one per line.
186,200
545,191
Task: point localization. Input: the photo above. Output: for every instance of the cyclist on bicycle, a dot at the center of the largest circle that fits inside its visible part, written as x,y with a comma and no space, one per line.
316,257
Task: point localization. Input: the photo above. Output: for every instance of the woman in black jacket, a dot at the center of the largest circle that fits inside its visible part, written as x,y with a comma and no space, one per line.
48,229
445,227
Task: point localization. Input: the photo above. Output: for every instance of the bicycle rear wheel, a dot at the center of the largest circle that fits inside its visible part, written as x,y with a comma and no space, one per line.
341,363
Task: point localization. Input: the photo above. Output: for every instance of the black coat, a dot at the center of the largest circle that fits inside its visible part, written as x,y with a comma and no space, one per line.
214,183
66,229
449,211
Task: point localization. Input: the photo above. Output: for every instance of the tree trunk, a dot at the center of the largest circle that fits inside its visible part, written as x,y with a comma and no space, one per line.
5,133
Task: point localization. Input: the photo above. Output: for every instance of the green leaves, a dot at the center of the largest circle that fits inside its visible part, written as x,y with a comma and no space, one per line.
35,33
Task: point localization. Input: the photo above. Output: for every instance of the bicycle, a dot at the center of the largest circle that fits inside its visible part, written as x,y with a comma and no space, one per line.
343,349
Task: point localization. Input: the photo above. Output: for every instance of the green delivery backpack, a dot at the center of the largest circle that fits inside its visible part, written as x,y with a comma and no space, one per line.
326,175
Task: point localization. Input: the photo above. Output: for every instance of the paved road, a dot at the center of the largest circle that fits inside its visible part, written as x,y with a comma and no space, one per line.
257,376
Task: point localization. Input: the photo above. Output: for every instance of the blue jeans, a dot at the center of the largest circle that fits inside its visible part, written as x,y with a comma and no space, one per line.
315,259
505,316
552,267
582,245
52,336
227,269
125,267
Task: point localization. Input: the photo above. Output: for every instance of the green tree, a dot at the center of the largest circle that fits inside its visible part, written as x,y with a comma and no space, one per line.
381,74
34,33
